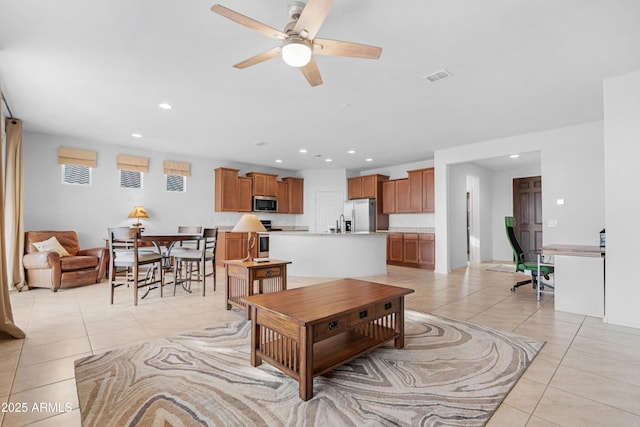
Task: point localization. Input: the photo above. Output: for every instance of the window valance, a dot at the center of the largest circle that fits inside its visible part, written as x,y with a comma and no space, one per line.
176,168
133,163
77,157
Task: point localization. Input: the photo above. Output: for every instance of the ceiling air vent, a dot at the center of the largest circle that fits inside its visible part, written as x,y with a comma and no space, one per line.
438,75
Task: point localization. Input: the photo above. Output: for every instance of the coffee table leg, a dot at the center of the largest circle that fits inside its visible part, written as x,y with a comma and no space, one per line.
306,363
255,337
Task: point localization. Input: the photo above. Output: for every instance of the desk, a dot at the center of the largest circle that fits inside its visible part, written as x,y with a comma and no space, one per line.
579,278
308,331
240,277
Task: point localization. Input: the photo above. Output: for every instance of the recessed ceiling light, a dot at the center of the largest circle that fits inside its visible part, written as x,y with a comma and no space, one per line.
136,135
302,150
514,156
351,152
328,160
165,106
368,160
278,161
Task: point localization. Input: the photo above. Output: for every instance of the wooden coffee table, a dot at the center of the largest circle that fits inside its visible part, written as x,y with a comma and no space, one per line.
308,331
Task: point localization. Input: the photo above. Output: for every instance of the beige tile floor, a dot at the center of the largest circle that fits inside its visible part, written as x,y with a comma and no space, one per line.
587,374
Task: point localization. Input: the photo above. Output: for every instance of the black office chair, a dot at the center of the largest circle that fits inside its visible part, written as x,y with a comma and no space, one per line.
524,265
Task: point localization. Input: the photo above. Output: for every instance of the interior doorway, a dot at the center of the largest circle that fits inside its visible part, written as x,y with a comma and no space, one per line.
527,211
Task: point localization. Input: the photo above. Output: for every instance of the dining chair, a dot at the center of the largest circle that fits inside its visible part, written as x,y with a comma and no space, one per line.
186,259
127,255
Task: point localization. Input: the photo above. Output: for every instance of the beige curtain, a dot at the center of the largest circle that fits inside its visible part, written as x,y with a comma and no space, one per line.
11,231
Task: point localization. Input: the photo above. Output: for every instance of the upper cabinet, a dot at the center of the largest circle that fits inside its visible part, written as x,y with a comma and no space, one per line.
295,188
233,193
245,185
414,194
370,187
365,187
264,184
226,190
428,191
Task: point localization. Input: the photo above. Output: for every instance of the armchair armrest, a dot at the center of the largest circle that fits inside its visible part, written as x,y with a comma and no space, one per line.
41,260
97,252
103,258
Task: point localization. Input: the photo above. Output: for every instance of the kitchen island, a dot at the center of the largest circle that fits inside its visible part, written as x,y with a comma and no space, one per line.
331,254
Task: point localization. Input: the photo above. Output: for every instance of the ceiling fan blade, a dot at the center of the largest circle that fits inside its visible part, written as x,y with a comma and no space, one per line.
312,17
312,73
261,57
250,23
340,48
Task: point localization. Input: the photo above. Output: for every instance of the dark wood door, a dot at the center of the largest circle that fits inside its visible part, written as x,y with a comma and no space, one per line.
527,211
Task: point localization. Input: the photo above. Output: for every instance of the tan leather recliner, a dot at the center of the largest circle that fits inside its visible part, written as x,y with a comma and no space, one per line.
49,270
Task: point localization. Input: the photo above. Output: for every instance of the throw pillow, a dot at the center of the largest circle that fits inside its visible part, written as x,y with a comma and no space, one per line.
51,244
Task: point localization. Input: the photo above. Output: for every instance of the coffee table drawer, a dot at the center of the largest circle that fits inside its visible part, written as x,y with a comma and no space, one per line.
363,315
330,328
267,272
390,306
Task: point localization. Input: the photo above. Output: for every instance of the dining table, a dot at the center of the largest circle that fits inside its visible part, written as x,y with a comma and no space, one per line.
168,240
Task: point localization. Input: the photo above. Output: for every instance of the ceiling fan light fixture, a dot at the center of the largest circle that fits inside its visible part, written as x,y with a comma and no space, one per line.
296,51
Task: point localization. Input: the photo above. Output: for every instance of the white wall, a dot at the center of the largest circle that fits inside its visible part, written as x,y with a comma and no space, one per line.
90,210
316,181
572,168
622,156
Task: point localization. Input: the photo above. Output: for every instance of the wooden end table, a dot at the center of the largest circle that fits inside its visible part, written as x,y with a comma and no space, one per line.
308,331
240,277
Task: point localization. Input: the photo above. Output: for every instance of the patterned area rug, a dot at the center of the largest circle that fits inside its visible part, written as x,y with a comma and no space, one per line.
449,373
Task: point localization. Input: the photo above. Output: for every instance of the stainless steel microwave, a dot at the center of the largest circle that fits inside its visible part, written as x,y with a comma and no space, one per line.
265,204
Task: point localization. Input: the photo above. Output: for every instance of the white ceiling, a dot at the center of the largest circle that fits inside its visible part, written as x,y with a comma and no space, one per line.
96,70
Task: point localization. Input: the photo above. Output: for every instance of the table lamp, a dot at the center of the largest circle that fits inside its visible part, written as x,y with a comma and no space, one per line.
138,212
249,223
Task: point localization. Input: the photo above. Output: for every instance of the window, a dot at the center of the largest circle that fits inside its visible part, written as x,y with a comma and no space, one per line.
76,175
176,183
130,179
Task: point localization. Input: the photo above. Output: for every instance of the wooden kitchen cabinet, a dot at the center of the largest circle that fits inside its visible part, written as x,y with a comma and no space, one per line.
389,197
264,184
395,252
232,192
232,245
282,194
414,194
226,190
365,187
428,191
370,187
427,251
410,248
402,196
296,194
244,194
415,191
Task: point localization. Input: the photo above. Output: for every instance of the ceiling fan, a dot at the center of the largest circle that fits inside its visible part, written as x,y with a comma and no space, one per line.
298,38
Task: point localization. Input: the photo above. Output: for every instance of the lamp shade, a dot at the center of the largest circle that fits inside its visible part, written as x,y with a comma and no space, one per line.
138,212
248,223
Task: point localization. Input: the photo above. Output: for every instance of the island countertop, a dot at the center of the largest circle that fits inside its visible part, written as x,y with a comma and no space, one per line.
314,254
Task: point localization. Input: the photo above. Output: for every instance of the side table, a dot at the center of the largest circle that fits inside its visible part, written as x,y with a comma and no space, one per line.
240,278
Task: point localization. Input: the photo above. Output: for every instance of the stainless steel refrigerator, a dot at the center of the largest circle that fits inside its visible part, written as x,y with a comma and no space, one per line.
361,213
